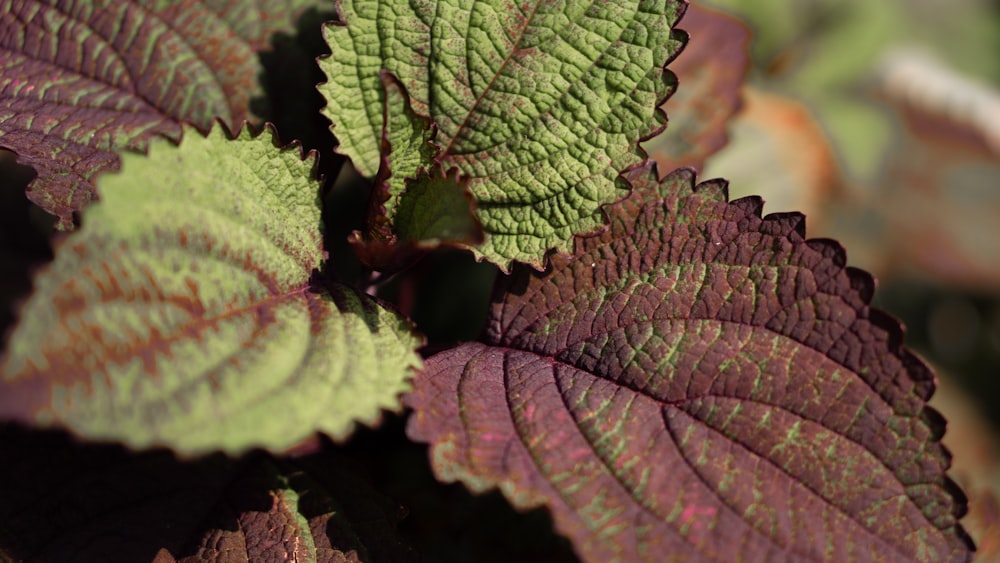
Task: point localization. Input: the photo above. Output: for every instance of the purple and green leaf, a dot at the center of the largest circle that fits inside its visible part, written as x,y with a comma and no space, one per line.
187,312
699,383
539,106
80,81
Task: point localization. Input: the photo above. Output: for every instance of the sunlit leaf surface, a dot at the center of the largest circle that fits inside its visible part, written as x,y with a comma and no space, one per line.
186,311
540,105
699,383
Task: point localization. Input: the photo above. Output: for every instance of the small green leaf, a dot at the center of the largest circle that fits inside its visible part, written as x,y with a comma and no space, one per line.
184,314
406,145
540,105
436,207
415,205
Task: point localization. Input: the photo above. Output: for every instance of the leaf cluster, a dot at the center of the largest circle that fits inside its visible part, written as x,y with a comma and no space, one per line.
669,374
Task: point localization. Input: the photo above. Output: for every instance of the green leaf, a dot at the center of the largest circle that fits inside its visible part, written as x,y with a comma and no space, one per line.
184,312
539,105
406,137
436,207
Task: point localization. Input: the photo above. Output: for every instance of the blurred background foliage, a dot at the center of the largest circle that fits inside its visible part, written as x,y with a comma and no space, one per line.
881,122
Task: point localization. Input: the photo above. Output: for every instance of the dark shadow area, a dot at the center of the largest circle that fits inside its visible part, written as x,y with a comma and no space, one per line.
291,101
445,522
24,238
446,295
957,331
61,500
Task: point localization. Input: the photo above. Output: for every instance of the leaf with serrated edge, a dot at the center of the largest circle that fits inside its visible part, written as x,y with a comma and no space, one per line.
81,80
699,383
182,313
540,105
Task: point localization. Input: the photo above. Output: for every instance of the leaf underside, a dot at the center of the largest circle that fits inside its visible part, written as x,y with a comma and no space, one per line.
539,105
82,80
65,502
699,383
185,312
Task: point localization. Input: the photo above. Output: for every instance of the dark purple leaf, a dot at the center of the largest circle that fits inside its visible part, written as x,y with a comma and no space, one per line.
80,80
64,502
699,383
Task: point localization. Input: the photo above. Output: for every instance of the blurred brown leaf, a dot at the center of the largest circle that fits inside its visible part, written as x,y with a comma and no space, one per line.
710,71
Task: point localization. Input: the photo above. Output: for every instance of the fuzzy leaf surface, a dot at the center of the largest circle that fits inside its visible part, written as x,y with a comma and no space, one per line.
539,104
699,383
61,501
184,313
81,80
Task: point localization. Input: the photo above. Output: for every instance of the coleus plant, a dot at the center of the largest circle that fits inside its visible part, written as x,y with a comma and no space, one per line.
670,374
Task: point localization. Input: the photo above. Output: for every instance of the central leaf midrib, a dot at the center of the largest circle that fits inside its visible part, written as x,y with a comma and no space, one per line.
475,105
203,322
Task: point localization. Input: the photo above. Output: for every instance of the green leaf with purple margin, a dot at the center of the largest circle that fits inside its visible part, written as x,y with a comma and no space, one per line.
186,312
82,80
699,383
539,105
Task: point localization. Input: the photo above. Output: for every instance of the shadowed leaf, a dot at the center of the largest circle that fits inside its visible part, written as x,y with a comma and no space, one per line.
699,383
436,207
81,80
435,211
710,73
406,149
65,502
415,206
184,312
540,105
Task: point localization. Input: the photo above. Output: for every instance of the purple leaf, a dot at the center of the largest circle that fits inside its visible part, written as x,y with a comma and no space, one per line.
699,383
81,80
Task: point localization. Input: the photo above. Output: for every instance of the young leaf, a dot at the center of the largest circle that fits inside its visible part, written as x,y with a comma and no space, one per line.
82,80
699,383
416,206
183,312
406,146
539,105
60,501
